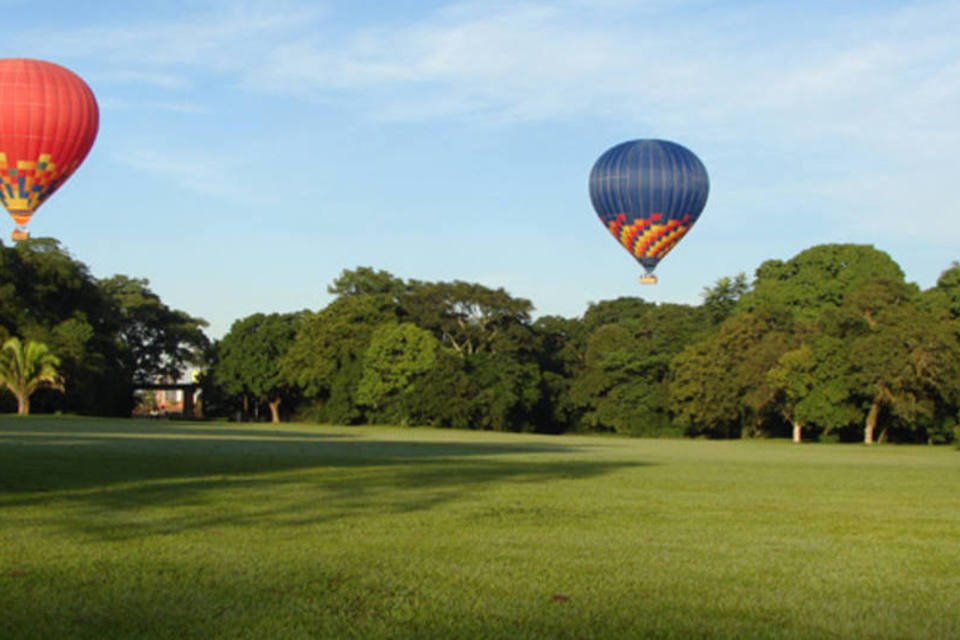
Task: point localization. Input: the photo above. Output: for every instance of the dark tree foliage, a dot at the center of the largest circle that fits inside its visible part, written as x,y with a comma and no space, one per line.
719,385
721,299
158,342
108,334
832,343
621,385
560,346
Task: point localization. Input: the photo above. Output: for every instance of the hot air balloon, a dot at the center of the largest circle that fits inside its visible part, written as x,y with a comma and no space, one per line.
48,121
648,193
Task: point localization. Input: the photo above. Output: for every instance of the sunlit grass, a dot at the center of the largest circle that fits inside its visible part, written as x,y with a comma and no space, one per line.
118,529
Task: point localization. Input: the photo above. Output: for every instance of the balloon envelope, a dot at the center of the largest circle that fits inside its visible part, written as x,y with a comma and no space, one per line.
48,122
648,194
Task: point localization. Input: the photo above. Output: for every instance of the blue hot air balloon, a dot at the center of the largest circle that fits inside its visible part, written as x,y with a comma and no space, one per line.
648,193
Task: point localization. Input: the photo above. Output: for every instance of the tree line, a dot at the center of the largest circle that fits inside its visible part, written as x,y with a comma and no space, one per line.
832,344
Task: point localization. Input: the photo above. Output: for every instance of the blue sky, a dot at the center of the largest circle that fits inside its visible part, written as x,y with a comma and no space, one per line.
249,151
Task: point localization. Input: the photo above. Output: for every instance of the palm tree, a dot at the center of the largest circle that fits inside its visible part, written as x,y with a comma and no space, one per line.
26,367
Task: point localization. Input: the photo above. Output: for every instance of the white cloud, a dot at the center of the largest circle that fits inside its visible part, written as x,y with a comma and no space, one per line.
209,174
221,37
137,77
539,60
189,108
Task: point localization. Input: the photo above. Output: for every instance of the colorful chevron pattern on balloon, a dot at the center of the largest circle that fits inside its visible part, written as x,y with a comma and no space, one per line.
25,184
651,237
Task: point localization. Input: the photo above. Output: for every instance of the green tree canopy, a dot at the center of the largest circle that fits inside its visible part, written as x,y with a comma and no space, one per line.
325,360
367,281
248,358
719,385
26,367
397,358
469,318
157,341
817,278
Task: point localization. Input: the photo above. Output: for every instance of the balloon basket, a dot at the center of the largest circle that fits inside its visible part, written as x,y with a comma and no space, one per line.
19,235
648,279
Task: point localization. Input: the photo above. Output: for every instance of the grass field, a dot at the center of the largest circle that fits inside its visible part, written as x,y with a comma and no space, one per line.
154,529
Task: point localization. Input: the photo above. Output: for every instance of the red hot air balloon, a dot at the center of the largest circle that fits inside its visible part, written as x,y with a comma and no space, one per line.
48,121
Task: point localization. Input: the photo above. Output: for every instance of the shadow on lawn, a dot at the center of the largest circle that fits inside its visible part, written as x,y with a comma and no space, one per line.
124,482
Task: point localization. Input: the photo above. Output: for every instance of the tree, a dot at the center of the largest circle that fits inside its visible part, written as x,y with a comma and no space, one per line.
248,359
444,395
619,381
906,356
49,297
469,318
158,342
398,357
946,293
505,391
26,367
815,385
719,385
817,278
884,358
325,360
367,281
559,352
720,300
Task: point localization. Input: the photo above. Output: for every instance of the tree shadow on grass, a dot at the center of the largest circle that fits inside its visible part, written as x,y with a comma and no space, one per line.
114,482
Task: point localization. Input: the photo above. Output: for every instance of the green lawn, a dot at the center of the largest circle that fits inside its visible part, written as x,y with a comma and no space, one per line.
129,529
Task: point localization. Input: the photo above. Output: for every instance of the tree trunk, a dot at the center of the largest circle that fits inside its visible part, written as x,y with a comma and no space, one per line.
871,424
797,431
23,405
275,411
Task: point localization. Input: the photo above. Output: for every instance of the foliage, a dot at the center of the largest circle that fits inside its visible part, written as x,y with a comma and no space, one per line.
832,341
469,318
719,386
721,299
506,391
158,342
817,278
108,333
621,385
26,367
247,362
908,358
325,360
367,281
444,395
946,293
398,357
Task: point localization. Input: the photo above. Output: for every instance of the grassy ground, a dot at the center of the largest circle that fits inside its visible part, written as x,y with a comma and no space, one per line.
120,529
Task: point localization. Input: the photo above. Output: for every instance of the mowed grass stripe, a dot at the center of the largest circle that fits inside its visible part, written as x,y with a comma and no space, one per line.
120,528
